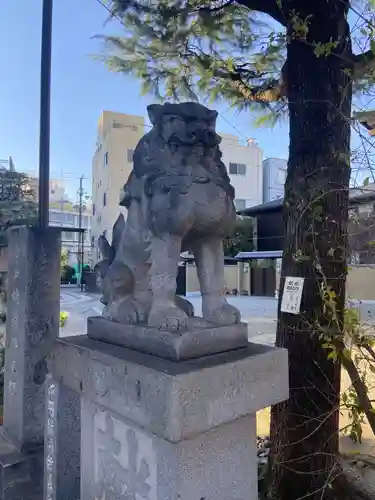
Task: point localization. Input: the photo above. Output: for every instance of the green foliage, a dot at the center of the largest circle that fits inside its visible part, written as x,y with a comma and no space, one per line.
231,50
241,238
181,49
351,344
64,260
63,318
17,205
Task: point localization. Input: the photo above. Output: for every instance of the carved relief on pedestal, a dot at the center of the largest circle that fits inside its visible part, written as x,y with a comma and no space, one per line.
124,460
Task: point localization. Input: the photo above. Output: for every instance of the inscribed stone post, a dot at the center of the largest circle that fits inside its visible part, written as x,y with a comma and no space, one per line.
32,325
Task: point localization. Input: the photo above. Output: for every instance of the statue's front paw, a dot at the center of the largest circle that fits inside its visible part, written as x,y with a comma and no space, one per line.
127,310
184,305
167,317
224,314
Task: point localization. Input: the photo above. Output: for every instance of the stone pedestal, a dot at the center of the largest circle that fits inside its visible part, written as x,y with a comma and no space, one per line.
160,429
32,326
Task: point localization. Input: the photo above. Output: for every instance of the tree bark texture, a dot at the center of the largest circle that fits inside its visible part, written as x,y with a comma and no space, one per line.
304,429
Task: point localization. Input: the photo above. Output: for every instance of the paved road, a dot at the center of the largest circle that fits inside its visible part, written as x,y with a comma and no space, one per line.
258,312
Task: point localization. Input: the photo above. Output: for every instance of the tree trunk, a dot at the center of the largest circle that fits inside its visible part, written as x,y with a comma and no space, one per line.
304,429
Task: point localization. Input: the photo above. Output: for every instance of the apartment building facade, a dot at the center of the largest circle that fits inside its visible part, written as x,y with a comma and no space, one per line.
274,176
244,165
118,135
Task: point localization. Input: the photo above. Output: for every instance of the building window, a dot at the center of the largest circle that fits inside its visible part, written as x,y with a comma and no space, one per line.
237,169
67,236
240,204
104,199
116,124
93,209
69,219
106,159
130,155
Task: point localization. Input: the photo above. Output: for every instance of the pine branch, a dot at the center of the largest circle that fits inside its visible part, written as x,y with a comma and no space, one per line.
271,91
363,64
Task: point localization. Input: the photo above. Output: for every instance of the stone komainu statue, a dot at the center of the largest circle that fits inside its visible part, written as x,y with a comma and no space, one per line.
178,198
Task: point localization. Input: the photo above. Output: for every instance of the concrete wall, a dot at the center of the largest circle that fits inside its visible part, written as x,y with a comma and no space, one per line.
192,283
360,282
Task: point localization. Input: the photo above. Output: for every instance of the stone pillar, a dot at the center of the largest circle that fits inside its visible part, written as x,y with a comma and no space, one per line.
33,304
62,442
159,429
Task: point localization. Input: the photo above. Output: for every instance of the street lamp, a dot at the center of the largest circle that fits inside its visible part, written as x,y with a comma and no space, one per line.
81,207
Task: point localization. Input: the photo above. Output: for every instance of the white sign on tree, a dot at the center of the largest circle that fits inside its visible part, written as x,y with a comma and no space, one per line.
292,295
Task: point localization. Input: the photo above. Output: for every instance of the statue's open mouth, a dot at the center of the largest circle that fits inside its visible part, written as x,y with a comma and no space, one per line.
206,139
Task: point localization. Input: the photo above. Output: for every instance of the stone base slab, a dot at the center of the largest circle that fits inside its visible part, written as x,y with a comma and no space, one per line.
160,429
200,339
172,399
125,461
21,473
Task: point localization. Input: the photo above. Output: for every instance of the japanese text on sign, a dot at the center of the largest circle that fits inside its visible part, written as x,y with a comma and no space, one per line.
292,295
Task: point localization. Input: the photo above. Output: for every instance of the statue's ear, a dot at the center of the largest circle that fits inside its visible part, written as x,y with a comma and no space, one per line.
212,116
153,112
105,248
117,231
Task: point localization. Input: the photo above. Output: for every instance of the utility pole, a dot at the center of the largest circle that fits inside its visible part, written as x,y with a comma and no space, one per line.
45,113
80,236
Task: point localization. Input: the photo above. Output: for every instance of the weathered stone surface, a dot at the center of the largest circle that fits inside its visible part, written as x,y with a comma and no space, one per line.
174,400
21,474
178,198
158,429
123,459
200,339
62,443
32,326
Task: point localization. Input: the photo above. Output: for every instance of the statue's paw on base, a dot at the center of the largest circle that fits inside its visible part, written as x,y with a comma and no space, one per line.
224,314
167,317
127,310
185,306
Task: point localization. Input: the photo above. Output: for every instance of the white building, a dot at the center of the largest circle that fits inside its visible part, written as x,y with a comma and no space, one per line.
274,176
244,165
63,213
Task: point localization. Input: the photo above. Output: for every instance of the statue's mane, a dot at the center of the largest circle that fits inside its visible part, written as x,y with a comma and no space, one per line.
148,162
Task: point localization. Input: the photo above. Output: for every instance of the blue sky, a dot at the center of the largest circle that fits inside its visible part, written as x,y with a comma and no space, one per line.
81,89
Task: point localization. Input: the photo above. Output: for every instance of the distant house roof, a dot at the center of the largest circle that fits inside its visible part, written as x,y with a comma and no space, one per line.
266,254
357,196
268,207
189,257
